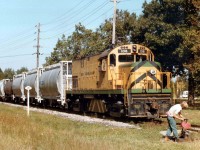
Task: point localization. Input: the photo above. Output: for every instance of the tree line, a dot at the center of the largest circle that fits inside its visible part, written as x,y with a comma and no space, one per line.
9,72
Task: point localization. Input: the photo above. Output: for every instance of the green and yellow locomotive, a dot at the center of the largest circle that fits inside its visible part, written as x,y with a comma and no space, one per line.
124,81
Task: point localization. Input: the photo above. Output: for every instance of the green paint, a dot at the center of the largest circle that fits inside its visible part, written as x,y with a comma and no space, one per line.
119,91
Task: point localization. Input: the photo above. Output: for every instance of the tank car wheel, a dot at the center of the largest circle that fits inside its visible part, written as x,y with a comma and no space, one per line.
66,106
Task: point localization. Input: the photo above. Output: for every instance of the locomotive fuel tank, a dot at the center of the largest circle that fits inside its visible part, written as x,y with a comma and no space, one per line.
55,79
18,86
32,80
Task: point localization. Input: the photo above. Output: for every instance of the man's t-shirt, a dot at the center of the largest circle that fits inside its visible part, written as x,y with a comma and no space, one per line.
174,110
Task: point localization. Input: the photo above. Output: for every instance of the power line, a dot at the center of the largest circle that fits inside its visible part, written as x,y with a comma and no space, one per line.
63,15
93,12
72,16
100,15
15,47
4,40
114,21
14,42
15,55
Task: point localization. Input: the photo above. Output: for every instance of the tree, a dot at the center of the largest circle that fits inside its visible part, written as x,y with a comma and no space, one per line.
162,29
125,25
1,74
60,52
8,73
193,21
21,70
85,42
171,29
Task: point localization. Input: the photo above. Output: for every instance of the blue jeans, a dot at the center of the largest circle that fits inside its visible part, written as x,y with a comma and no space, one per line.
172,127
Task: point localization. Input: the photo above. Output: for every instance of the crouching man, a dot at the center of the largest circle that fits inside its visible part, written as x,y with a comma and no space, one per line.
174,113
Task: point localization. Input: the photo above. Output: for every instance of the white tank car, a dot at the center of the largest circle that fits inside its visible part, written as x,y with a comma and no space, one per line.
32,80
5,88
54,80
2,85
18,87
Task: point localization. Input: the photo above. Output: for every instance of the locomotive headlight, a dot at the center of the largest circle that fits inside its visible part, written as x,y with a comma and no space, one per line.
153,72
134,48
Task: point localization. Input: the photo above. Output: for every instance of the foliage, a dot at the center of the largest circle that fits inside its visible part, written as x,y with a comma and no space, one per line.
59,53
8,73
84,42
1,74
171,29
21,70
162,29
125,25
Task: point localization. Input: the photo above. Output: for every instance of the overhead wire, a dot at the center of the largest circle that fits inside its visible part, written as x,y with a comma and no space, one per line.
94,18
21,33
16,41
91,13
15,55
64,14
74,14
13,43
81,19
16,47
99,16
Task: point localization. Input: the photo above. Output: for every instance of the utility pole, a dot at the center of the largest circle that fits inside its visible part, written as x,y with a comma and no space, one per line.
114,21
38,44
37,65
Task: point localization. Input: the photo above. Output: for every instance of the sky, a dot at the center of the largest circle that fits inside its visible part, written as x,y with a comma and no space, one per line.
19,20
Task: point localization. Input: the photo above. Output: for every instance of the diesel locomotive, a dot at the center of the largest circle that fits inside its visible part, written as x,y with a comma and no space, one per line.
123,82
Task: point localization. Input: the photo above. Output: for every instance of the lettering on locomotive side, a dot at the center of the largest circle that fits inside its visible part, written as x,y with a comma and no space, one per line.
124,47
87,73
142,50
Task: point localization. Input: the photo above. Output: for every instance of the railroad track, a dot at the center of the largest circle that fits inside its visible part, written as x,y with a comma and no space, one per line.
194,127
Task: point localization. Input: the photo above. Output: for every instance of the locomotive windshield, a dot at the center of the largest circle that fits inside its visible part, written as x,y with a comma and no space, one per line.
126,58
140,58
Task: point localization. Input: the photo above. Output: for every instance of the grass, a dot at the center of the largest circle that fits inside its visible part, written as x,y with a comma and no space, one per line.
41,132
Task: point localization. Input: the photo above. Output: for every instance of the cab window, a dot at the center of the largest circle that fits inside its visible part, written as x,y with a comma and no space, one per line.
126,58
140,58
113,59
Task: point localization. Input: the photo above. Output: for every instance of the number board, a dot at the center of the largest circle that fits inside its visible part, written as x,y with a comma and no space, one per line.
142,51
124,50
